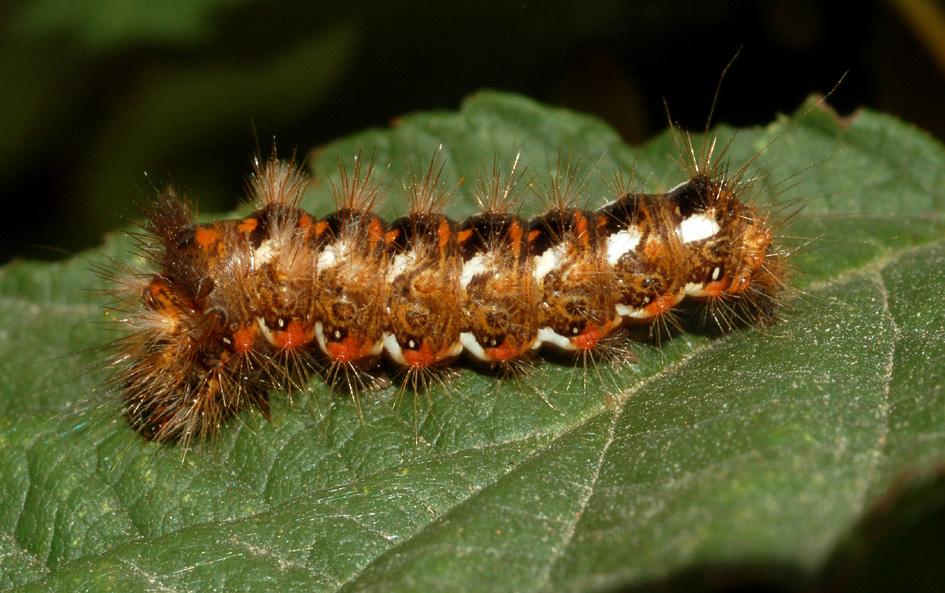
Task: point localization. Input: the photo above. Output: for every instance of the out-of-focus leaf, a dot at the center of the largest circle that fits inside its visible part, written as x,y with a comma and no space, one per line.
204,100
101,26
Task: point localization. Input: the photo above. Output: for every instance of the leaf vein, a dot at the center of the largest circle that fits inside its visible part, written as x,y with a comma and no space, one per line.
543,581
151,578
283,562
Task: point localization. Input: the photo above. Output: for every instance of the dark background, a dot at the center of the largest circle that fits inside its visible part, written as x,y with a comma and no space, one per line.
94,93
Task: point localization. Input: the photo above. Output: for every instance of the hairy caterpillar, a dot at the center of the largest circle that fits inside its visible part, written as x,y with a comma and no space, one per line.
232,309
229,310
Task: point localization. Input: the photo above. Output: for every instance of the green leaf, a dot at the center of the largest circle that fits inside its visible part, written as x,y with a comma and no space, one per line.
104,26
755,447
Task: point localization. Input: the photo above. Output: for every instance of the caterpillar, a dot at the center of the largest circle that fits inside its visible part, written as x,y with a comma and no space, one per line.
229,310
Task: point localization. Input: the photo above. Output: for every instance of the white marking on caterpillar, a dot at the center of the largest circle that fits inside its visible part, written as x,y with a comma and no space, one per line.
546,335
549,260
472,345
267,333
622,242
632,313
696,228
320,337
471,269
392,346
402,262
332,255
265,253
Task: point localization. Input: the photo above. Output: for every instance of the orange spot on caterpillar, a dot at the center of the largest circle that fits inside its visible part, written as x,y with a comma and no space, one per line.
349,349
443,233
515,234
717,288
248,225
504,352
206,237
306,223
425,356
662,304
376,231
245,338
295,335
591,335
581,227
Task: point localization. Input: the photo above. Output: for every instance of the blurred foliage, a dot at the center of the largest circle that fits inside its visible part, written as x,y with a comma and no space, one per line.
100,100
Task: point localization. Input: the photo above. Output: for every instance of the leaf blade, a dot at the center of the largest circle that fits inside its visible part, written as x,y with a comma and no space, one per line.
758,445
